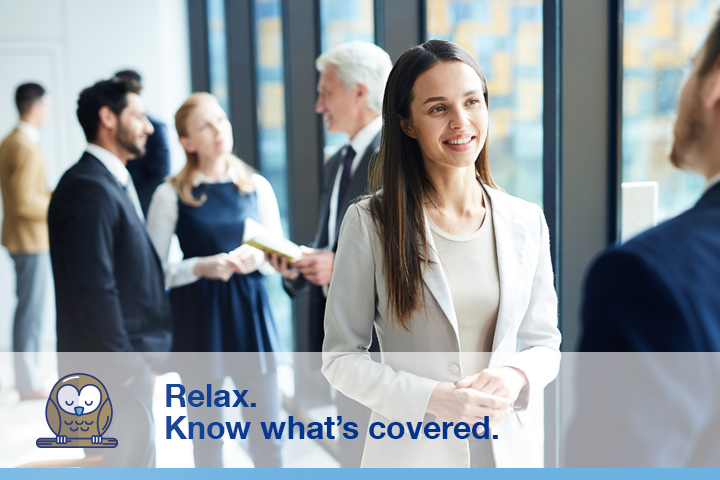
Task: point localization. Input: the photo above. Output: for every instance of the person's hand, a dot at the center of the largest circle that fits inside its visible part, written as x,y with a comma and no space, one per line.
250,258
455,404
506,382
218,267
316,266
281,265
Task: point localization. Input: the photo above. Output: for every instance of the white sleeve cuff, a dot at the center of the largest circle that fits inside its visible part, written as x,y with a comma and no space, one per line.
181,274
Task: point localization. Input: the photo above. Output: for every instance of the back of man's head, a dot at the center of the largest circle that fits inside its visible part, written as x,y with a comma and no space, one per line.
27,95
360,62
132,78
105,93
712,48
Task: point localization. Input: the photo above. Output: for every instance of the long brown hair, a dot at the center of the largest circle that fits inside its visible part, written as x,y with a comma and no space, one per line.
183,181
402,183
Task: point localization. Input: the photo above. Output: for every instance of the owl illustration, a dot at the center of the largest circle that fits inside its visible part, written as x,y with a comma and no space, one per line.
79,408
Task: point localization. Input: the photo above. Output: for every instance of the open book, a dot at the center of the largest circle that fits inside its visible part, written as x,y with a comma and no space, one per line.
256,235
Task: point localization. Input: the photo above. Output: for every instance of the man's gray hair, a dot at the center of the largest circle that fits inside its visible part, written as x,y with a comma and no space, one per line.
360,62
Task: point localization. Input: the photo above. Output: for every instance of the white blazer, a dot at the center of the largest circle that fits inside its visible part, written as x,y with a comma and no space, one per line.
413,362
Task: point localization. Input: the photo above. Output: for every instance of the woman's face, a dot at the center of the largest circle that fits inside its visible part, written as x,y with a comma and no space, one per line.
209,133
448,116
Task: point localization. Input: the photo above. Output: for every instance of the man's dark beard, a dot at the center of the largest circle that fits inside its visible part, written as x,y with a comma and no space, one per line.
124,139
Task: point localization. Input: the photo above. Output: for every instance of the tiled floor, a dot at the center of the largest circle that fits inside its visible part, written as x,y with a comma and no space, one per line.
21,423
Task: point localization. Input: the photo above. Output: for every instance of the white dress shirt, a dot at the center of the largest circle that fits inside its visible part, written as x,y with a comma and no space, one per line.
712,181
359,143
120,172
29,130
163,217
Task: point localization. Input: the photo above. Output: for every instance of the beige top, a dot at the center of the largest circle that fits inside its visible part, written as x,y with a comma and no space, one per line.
471,269
25,195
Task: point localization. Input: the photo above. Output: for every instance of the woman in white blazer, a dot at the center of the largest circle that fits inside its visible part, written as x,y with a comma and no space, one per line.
454,274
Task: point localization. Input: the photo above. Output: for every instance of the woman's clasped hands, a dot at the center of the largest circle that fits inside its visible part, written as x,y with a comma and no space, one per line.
490,393
243,260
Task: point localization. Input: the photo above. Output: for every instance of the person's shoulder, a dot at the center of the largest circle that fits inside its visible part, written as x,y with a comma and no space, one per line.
84,178
504,204
260,182
16,139
671,235
651,251
360,213
362,206
166,190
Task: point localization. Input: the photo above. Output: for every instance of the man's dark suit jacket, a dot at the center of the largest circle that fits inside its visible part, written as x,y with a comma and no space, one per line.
659,292
109,285
358,187
150,170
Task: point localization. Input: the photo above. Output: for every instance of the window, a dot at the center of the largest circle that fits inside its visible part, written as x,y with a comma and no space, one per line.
272,143
217,50
343,21
659,40
506,39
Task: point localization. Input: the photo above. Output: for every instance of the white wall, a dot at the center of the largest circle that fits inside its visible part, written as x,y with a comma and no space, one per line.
67,45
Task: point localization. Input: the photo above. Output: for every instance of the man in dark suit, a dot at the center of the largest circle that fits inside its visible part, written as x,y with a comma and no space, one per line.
659,294
149,170
350,92
110,292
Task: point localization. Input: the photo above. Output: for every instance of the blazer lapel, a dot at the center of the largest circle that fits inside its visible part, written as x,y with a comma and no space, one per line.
129,208
511,248
436,283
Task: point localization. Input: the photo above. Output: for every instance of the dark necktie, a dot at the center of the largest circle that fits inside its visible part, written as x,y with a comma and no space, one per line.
344,183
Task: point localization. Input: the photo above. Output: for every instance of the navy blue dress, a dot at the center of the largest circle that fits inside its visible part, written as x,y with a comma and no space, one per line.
233,316
212,315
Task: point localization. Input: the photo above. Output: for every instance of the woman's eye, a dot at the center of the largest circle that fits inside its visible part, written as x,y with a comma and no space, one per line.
439,108
473,101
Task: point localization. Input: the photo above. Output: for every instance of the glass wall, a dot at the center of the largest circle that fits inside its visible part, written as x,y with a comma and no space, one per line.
343,21
660,37
506,37
217,51
272,143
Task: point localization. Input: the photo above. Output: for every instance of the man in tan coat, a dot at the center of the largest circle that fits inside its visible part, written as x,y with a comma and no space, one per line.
25,199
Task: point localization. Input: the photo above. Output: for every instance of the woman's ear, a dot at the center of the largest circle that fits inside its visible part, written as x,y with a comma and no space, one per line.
187,144
406,126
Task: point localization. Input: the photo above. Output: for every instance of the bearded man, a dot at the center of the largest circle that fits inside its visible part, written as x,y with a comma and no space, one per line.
110,293
647,380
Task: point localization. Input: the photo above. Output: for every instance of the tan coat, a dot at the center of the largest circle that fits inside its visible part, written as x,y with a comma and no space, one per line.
25,195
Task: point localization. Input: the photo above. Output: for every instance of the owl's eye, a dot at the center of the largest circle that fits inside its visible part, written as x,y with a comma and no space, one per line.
90,396
68,397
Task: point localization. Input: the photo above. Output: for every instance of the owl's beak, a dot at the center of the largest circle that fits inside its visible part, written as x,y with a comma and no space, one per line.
78,411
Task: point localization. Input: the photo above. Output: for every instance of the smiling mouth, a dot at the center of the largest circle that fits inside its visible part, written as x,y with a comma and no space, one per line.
459,141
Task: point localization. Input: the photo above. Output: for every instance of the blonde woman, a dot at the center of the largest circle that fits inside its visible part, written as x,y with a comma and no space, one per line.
218,296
